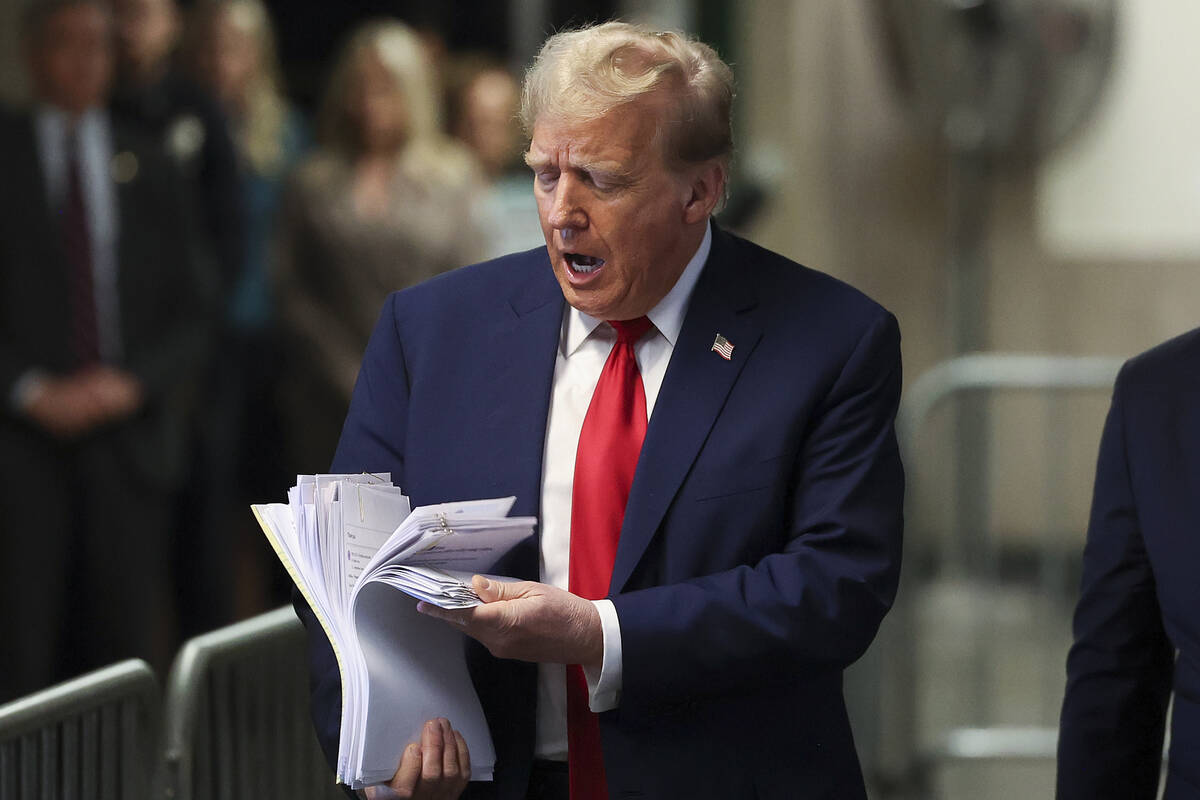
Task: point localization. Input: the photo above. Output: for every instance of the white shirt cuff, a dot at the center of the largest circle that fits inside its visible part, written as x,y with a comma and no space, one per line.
604,690
27,387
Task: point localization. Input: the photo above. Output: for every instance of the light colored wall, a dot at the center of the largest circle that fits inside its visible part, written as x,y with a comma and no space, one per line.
1131,184
861,194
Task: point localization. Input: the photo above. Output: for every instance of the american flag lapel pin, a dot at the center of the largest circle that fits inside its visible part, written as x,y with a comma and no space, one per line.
723,347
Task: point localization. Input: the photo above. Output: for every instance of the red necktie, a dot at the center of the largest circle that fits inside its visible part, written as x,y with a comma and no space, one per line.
84,331
609,444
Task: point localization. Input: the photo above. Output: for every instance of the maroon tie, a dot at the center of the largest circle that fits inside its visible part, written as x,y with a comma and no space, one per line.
609,445
84,333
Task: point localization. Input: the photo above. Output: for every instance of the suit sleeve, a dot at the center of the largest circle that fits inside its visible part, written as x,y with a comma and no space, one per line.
817,603
1120,666
371,438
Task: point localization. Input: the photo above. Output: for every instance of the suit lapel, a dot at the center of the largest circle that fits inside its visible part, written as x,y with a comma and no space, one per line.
39,213
693,392
516,383
44,307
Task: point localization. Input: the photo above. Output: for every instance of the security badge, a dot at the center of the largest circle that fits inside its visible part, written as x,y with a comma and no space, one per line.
124,167
723,347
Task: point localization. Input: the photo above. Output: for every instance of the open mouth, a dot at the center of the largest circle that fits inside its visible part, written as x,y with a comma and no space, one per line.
580,262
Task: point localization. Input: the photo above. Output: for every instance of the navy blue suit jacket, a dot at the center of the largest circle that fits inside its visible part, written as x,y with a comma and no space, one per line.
761,542
1140,600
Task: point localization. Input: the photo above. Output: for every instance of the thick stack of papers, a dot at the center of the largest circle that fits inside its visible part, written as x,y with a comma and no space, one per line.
350,542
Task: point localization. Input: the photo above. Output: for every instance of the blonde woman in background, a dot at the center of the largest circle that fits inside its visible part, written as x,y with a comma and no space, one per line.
384,203
229,50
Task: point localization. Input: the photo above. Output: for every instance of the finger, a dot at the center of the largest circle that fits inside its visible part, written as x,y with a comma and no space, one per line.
431,751
459,617
409,771
450,766
490,591
464,756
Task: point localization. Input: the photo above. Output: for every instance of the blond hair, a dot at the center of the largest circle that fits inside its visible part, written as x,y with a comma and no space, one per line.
260,133
399,50
582,74
426,152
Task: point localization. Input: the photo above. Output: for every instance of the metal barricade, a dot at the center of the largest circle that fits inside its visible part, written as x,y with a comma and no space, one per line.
91,737
237,720
881,689
993,372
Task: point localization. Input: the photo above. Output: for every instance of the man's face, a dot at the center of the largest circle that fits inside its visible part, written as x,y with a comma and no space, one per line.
613,215
71,58
488,120
146,32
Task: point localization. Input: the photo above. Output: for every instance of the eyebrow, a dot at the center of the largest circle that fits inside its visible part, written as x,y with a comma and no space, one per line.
534,162
609,169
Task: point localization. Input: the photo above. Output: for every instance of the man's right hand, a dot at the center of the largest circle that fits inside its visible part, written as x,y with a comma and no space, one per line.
438,768
73,405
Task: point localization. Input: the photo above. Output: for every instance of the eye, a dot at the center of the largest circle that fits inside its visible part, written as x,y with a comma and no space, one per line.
601,181
546,177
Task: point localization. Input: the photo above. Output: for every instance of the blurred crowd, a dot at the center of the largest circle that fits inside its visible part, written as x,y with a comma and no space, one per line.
190,268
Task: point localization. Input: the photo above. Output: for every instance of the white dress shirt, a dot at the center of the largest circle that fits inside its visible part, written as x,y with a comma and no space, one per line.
583,349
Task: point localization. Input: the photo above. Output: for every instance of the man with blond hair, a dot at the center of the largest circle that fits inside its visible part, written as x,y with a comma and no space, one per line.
705,430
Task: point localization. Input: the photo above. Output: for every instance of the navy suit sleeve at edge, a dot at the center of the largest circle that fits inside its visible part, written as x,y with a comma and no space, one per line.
1119,669
817,604
374,427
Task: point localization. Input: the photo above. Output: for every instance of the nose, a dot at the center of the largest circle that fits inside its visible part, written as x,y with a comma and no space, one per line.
566,211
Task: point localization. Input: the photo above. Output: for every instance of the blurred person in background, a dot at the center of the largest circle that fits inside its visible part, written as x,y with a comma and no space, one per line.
186,120
152,93
102,324
229,49
482,104
384,203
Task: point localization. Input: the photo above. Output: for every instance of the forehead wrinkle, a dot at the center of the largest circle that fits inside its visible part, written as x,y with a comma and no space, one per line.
575,160
581,147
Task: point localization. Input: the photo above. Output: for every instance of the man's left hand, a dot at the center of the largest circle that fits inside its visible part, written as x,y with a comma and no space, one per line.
530,622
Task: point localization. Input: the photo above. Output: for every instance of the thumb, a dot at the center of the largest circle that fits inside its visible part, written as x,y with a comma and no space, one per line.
490,591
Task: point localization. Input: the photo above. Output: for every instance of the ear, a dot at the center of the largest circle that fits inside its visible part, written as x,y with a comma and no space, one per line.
706,185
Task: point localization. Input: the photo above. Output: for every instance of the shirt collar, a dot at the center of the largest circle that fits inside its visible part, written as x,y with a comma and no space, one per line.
52,119
667,316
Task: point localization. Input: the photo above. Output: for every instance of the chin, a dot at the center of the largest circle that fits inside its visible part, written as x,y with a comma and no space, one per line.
588,305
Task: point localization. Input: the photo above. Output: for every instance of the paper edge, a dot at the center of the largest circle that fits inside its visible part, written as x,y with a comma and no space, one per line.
313,606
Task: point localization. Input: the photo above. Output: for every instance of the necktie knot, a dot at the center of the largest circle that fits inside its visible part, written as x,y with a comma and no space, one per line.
629,331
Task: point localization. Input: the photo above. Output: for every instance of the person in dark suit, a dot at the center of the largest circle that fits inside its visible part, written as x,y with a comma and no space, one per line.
193,131
1137,624
704,428
101,323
